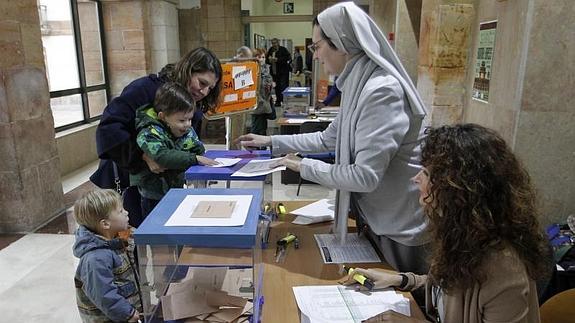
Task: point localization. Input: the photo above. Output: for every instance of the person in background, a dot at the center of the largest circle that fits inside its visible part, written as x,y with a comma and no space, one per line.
106,280
297,68
166,135
376,137
265,108
279,59
331,95
199,71
487,246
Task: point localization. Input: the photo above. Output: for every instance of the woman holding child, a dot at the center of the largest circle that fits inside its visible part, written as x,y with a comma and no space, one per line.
199,72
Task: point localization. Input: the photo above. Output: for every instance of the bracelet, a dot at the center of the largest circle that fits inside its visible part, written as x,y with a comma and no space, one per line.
404,281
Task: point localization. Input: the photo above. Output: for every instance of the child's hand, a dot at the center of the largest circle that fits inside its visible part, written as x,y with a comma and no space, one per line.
154,167
135,317
205,161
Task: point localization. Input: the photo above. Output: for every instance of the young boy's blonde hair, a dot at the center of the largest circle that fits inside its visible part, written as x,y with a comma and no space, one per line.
95,206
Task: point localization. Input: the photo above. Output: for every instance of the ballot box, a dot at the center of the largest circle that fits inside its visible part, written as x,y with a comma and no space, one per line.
199,256
296,102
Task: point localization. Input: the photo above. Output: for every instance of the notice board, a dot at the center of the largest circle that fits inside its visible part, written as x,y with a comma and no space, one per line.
240,80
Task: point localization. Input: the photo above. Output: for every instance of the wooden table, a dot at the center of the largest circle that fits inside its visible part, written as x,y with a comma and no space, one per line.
303,266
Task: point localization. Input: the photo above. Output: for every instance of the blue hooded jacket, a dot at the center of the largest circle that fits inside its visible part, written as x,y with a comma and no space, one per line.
106,283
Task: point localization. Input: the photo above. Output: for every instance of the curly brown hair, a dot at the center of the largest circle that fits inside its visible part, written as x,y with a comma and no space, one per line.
481,199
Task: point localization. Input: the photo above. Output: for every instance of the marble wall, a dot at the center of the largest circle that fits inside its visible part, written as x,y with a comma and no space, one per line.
30,187
531,102
164,42
545,129
216,25
127,30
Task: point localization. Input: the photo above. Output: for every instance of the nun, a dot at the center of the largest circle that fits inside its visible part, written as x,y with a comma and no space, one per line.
376,137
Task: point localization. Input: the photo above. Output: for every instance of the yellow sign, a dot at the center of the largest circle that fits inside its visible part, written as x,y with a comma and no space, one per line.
239,89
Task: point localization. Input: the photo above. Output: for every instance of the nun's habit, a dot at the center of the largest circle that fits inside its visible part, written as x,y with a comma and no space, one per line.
376,135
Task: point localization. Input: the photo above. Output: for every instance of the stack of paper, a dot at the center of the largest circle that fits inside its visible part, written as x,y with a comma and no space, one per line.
201,297
338,304
320,211
259,167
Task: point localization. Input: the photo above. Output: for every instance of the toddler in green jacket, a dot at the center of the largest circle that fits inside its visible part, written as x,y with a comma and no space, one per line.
166,136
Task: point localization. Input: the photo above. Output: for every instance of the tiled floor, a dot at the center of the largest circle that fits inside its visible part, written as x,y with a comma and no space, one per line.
37,270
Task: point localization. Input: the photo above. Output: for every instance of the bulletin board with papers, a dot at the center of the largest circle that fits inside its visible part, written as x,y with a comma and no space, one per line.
239,89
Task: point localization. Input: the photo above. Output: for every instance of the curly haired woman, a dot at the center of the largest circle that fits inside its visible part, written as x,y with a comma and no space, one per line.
487,247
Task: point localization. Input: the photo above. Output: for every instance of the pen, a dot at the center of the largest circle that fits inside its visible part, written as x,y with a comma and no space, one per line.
364,281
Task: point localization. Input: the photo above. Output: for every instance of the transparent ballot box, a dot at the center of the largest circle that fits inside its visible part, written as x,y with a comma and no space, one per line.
296,101
199,256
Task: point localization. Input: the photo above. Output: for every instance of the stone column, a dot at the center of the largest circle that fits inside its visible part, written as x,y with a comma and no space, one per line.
30,185
444,46
545,129
127,29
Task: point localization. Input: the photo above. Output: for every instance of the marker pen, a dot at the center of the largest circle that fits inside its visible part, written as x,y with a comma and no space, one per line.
364,281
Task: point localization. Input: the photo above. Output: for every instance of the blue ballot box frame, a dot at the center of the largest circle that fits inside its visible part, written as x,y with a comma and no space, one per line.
153,232
160,246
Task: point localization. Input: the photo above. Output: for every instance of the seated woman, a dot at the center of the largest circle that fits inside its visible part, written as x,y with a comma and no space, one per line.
487,247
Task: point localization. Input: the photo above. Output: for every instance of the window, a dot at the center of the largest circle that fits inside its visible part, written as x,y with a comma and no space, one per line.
74,54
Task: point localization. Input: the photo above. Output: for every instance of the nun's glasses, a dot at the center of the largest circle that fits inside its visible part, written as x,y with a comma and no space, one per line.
313,47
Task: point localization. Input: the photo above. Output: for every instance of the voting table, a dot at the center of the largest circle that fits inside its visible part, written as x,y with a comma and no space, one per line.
198,175
301,267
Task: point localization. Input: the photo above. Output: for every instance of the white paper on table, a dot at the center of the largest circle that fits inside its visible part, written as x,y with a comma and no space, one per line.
338,304
226,162
258,167
182,215
299,120
356,249
320,211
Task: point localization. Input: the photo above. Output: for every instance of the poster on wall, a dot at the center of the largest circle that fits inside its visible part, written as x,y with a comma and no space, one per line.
483,62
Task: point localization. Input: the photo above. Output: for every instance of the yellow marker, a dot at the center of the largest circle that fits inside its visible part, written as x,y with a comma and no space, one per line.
364,281
281,211
287,239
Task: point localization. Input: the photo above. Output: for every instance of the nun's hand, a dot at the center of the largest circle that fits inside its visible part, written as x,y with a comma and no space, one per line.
290,161
253,141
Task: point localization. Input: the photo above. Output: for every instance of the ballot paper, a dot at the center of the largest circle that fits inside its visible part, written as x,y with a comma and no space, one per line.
226,162
340,304
320,211
258,167
356,249
202,296
182,215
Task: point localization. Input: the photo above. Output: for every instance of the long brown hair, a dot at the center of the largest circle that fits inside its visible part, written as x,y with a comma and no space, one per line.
198,60
481,199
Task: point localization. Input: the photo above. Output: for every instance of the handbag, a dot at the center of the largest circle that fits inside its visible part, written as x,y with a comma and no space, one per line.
109,176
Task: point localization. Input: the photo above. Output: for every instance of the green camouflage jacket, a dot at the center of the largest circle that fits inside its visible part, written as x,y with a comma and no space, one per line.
175,154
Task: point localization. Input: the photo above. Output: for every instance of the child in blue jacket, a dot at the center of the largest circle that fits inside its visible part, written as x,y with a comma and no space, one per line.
107,288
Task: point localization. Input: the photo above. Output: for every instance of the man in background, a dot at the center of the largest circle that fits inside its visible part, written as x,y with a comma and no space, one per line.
279,59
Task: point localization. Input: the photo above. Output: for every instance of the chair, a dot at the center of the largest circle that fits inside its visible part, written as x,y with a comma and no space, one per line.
328,157
559,308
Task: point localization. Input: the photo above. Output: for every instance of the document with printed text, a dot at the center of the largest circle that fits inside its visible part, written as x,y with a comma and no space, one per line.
356,249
